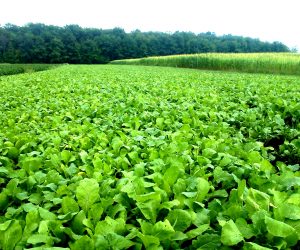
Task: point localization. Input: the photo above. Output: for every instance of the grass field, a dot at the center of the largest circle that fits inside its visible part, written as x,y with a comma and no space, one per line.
272,63
12,69
133,157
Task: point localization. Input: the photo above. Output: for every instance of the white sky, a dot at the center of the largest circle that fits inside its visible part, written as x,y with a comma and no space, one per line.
268,20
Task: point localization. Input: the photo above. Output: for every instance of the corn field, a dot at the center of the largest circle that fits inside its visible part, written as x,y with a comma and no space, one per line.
274,63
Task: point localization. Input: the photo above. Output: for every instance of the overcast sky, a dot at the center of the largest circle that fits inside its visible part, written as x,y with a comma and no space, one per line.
268,20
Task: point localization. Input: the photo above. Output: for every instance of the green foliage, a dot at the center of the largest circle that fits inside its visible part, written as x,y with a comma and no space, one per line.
40,43
12,69
87,193
10,234
230,235
124,157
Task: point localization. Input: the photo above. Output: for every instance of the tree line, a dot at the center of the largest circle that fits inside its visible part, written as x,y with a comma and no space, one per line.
40,43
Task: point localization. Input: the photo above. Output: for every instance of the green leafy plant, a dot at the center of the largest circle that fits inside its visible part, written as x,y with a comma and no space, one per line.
132,157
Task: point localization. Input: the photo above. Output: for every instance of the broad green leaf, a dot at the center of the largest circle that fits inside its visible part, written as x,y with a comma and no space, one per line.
254,157
207,242
179,186
110,225
87,193
209,153
241,189
170,204
69,205
77,223
67,156
95,212
46,215
13,153
203,188
254,246
257,200
84,156
278,197
66,217
139,169
160,122
31,164
289,182
40,238
12,187
258,219
112,241
289,211
294,199
190,194
4,200
3,171
4,226
179,219
198,231
68,231
116,144
295,225
223,176
267,167
43,227
219,193
179,236
245,229
163,230
84,243
11,235
226,160
22,196
149,205
118,242
117,210
150,242
202,217
146,227
171,175
278,228
230,235
101,242
32,222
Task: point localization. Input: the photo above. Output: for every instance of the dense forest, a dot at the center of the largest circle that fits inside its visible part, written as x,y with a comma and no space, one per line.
40,43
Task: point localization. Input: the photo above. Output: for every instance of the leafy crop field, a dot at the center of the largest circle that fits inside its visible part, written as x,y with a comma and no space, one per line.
12,69
133,157
272,63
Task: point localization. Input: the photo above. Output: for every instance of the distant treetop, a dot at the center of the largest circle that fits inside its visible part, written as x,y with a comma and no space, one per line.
40,43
